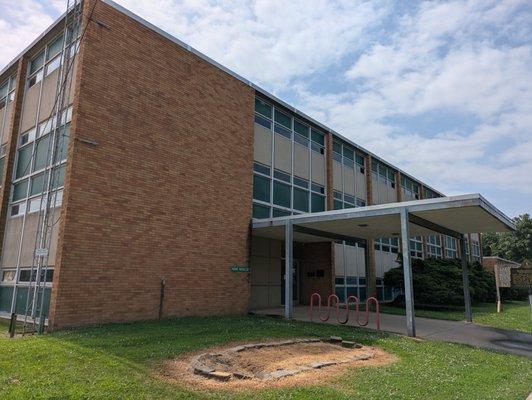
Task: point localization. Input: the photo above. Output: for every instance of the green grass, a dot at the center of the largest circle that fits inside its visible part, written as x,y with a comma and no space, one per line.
118,362
515,315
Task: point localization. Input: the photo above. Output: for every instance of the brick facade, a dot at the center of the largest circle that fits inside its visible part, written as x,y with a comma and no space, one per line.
166,191
316,257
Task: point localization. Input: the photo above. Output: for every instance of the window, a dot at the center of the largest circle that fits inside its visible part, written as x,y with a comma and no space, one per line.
53,65
27,137
260,211
434,246
261,188
301,199
54,48
37,184
301,128
37,63
281,194
416,247
23,162
19,190
451,247
263,108
58,176
41,152
283,119
318,203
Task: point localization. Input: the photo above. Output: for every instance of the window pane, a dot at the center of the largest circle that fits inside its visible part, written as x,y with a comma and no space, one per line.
3,90
1,168
23,162
337,147
19,190
301,199
280,213
359,159
318,203
337,205
283,119
37,63
41,153
300,128
349,153
317,137
55,47
261,188
58,177
260,211
64,139
263,108
37,184
281,194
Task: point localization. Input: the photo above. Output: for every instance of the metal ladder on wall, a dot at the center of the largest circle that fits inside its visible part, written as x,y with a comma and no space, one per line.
34,318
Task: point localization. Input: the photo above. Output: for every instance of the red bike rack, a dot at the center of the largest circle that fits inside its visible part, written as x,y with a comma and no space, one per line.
336,305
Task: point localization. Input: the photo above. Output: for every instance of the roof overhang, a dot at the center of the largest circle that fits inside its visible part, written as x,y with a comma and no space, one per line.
457,215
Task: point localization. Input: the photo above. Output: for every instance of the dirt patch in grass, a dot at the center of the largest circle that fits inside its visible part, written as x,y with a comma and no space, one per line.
272,365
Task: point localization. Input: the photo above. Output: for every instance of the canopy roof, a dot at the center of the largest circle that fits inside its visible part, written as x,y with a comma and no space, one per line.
463,214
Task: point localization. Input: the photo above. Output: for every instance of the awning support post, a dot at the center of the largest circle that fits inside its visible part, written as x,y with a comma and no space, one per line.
465,280
407,271
288,268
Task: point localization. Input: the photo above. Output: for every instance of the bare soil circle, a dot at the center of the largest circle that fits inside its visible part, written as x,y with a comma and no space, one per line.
298,362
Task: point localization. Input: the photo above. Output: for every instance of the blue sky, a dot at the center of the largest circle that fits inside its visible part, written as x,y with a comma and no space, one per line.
441,89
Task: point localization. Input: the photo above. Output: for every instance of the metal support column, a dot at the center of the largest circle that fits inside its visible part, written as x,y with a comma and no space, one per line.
288,269
407,271
465,280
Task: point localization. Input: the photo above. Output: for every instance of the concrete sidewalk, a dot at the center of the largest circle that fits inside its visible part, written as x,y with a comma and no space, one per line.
502,340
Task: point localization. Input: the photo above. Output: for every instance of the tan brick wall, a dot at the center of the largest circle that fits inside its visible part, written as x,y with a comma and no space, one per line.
316,256
167,190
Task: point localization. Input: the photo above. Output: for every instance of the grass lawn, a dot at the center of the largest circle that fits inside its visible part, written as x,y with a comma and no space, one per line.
117,362
515,315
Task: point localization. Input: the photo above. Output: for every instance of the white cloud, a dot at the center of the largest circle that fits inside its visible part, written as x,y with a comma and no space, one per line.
367,67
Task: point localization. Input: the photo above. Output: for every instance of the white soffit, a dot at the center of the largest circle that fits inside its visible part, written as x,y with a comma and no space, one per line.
462,214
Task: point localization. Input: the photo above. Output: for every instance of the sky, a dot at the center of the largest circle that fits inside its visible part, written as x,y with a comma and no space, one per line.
442,90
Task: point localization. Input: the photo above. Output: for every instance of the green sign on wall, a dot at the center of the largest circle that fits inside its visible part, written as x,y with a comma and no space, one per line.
240,268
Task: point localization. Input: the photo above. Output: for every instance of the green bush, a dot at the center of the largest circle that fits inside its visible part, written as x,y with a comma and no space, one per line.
439,282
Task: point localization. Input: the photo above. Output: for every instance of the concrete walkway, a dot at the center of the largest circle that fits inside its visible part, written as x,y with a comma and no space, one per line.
502,340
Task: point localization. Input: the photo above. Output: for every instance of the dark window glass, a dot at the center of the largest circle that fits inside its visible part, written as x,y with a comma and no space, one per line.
263,169
280,213
317,137
349,153
283,119
300,128
317,148
58,177
359,159
64,139
281,130
349,199
300,182
263,121
37,184
19,190
263,108
281,194
260,211
23,161
301,199
338,205
2,160
55,48
337,157
41,153
317,188
337,147
36,63
261,188
281,175
301,140
318,203
337,195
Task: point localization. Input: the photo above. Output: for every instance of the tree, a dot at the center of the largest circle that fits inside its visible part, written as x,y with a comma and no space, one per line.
515,246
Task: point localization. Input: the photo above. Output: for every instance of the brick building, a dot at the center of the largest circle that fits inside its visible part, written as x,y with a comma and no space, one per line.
151,173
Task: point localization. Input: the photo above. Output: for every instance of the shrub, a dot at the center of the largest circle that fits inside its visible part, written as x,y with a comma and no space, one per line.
439,282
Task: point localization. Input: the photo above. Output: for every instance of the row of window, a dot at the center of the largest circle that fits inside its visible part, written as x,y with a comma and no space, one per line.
49,59
7,91
433,246
383,172
288,126
346,155
344,200
410,188
25,275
